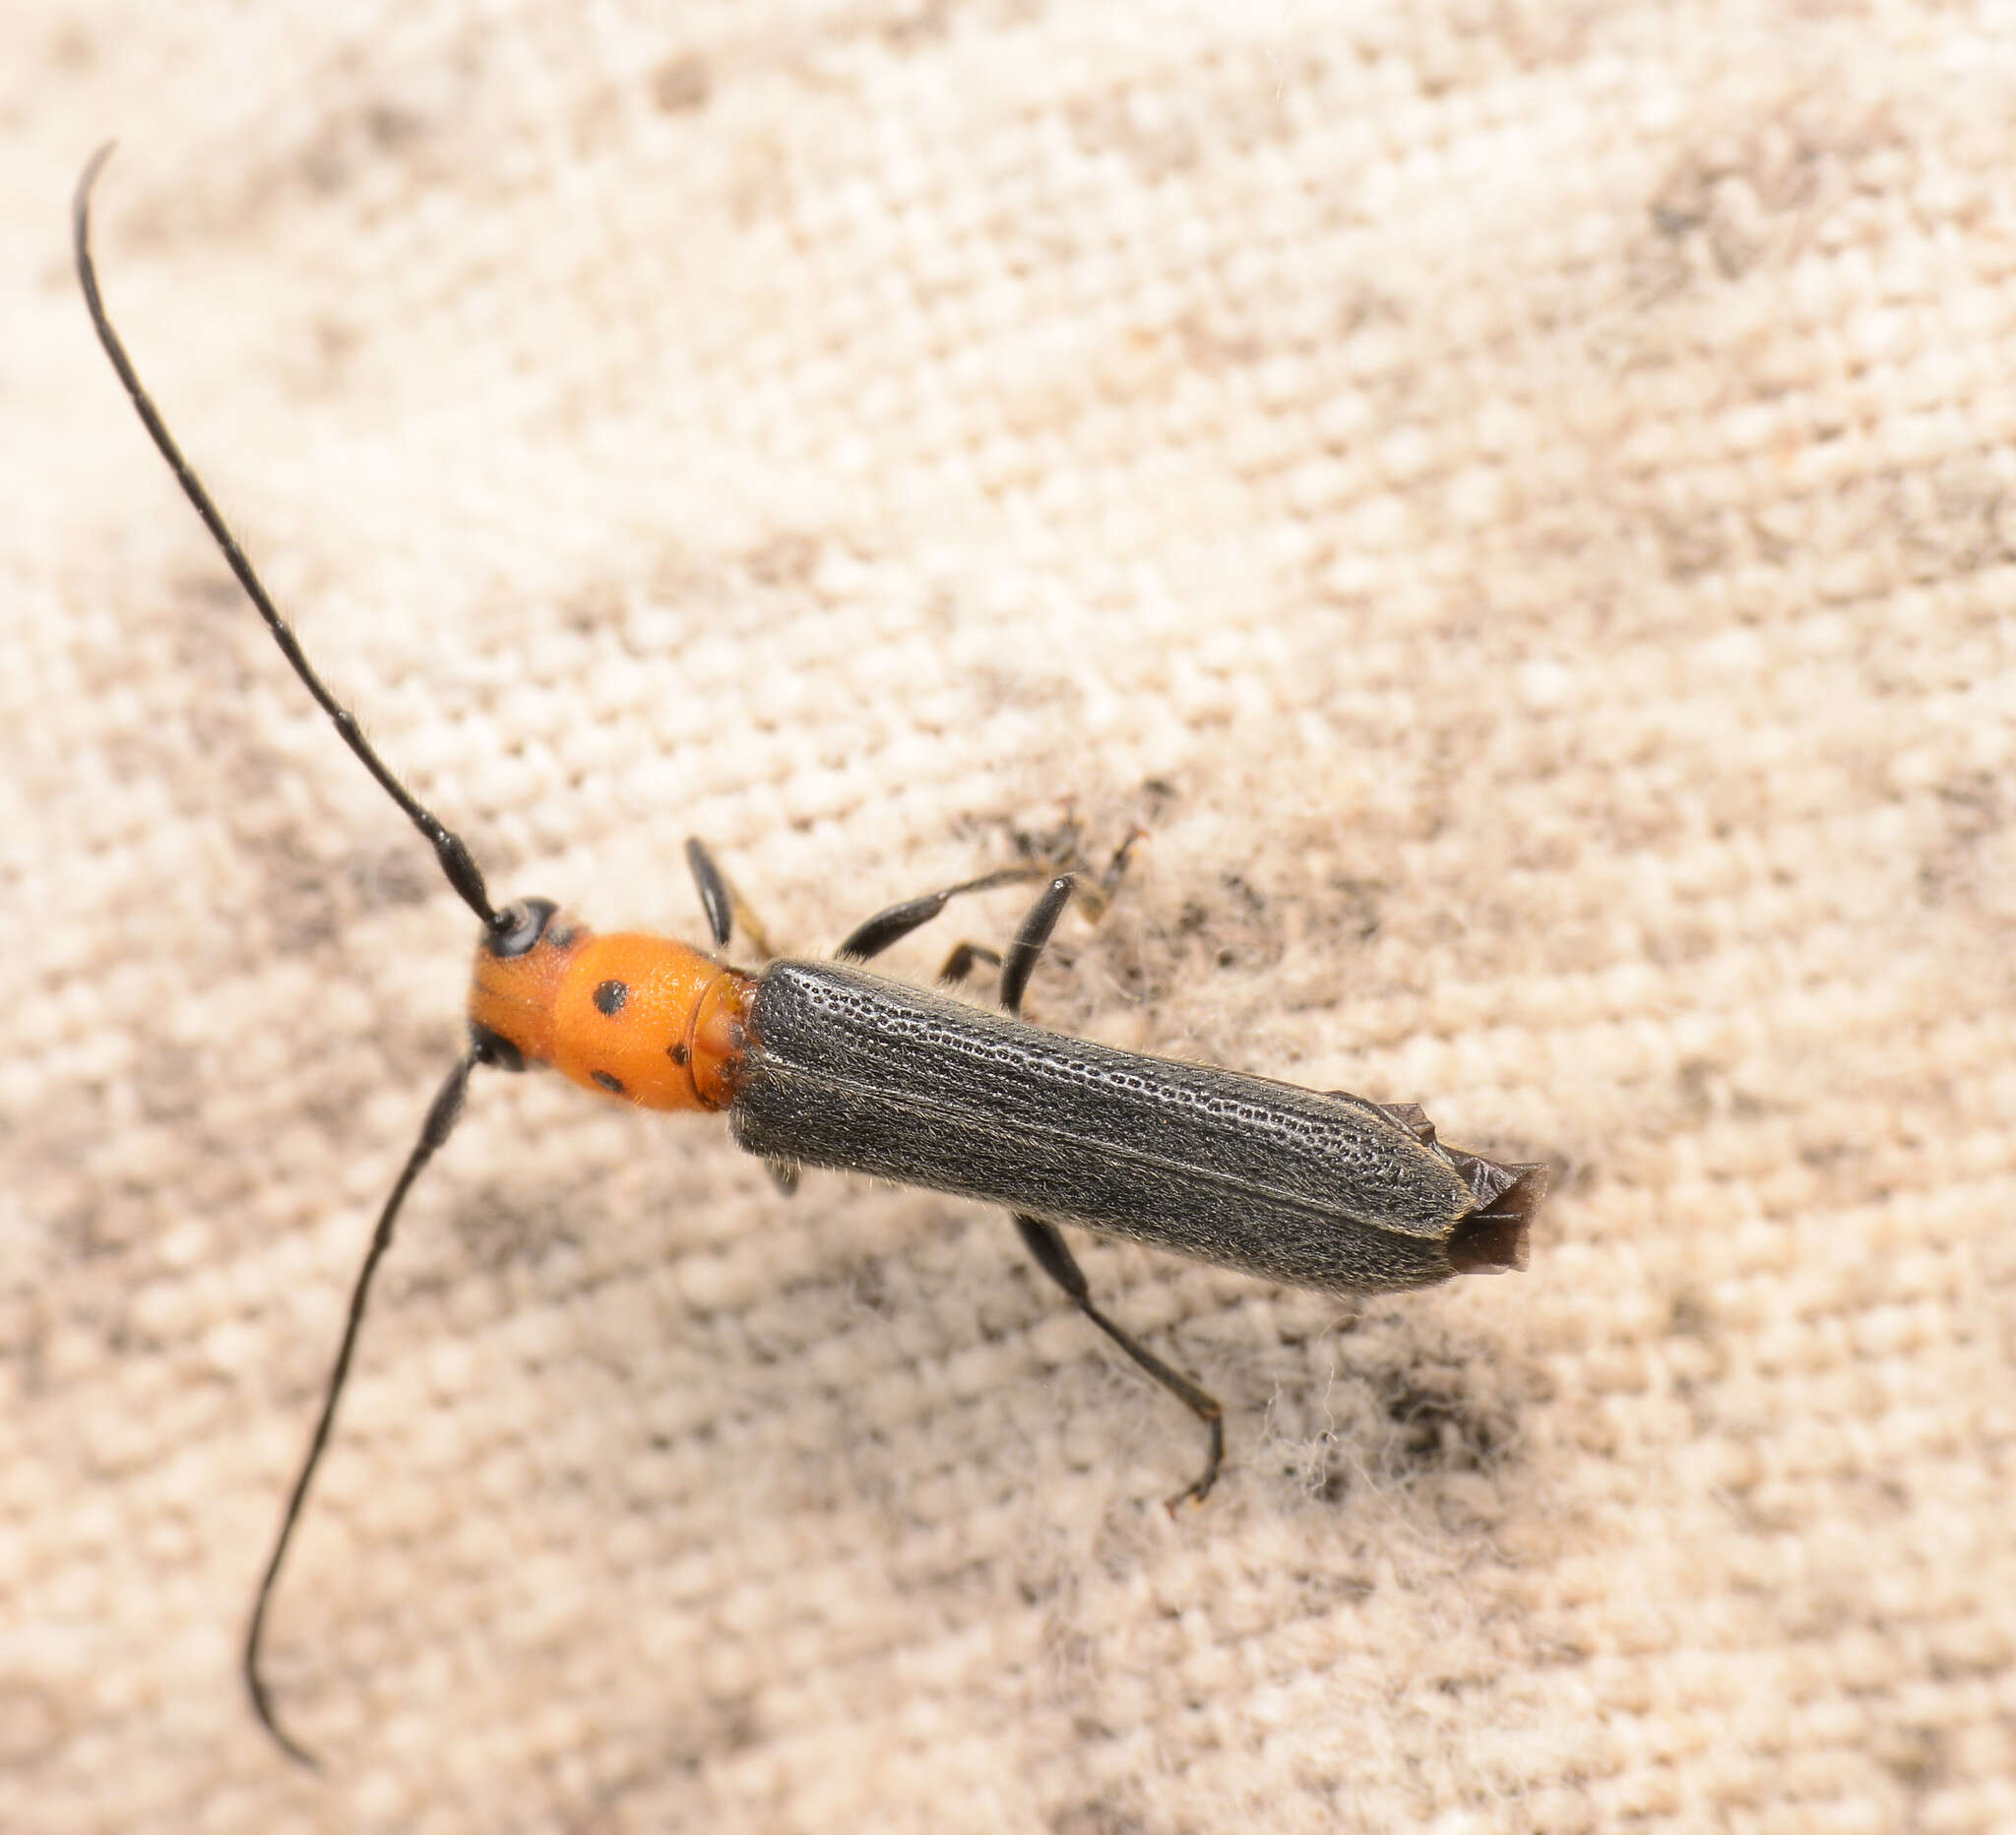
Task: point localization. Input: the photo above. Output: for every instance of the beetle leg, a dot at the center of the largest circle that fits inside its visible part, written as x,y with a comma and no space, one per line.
1045,1242
722,902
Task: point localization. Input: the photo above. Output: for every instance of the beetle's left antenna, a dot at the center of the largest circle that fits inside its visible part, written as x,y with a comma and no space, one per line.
449,848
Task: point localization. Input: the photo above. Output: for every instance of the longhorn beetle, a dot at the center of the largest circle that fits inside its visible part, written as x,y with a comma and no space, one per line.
826,1065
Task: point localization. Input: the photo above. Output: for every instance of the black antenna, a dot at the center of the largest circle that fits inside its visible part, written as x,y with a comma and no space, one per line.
456,861
449,848
440,1122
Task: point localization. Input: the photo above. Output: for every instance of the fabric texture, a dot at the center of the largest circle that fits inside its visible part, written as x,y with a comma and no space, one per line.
1514,500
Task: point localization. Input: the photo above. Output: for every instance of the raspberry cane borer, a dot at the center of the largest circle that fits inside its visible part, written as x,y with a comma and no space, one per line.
826,1065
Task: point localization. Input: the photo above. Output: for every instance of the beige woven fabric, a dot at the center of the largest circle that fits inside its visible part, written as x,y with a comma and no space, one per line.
1515,500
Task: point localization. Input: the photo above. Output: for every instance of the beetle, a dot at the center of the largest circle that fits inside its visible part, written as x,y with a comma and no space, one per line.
825,1063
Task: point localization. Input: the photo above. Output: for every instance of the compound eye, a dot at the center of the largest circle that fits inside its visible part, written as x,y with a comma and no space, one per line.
494,1050
524,922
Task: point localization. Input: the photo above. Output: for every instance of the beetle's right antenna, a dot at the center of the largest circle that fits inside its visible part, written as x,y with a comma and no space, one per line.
449,848
440,1122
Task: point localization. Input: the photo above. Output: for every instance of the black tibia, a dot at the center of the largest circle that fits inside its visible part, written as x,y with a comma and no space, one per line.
1053,1256
1031,940
723,905
715,898
1095,893
878,933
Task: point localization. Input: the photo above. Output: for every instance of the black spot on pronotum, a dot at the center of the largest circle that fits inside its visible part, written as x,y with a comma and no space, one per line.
609,997
678,1053
603,1081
